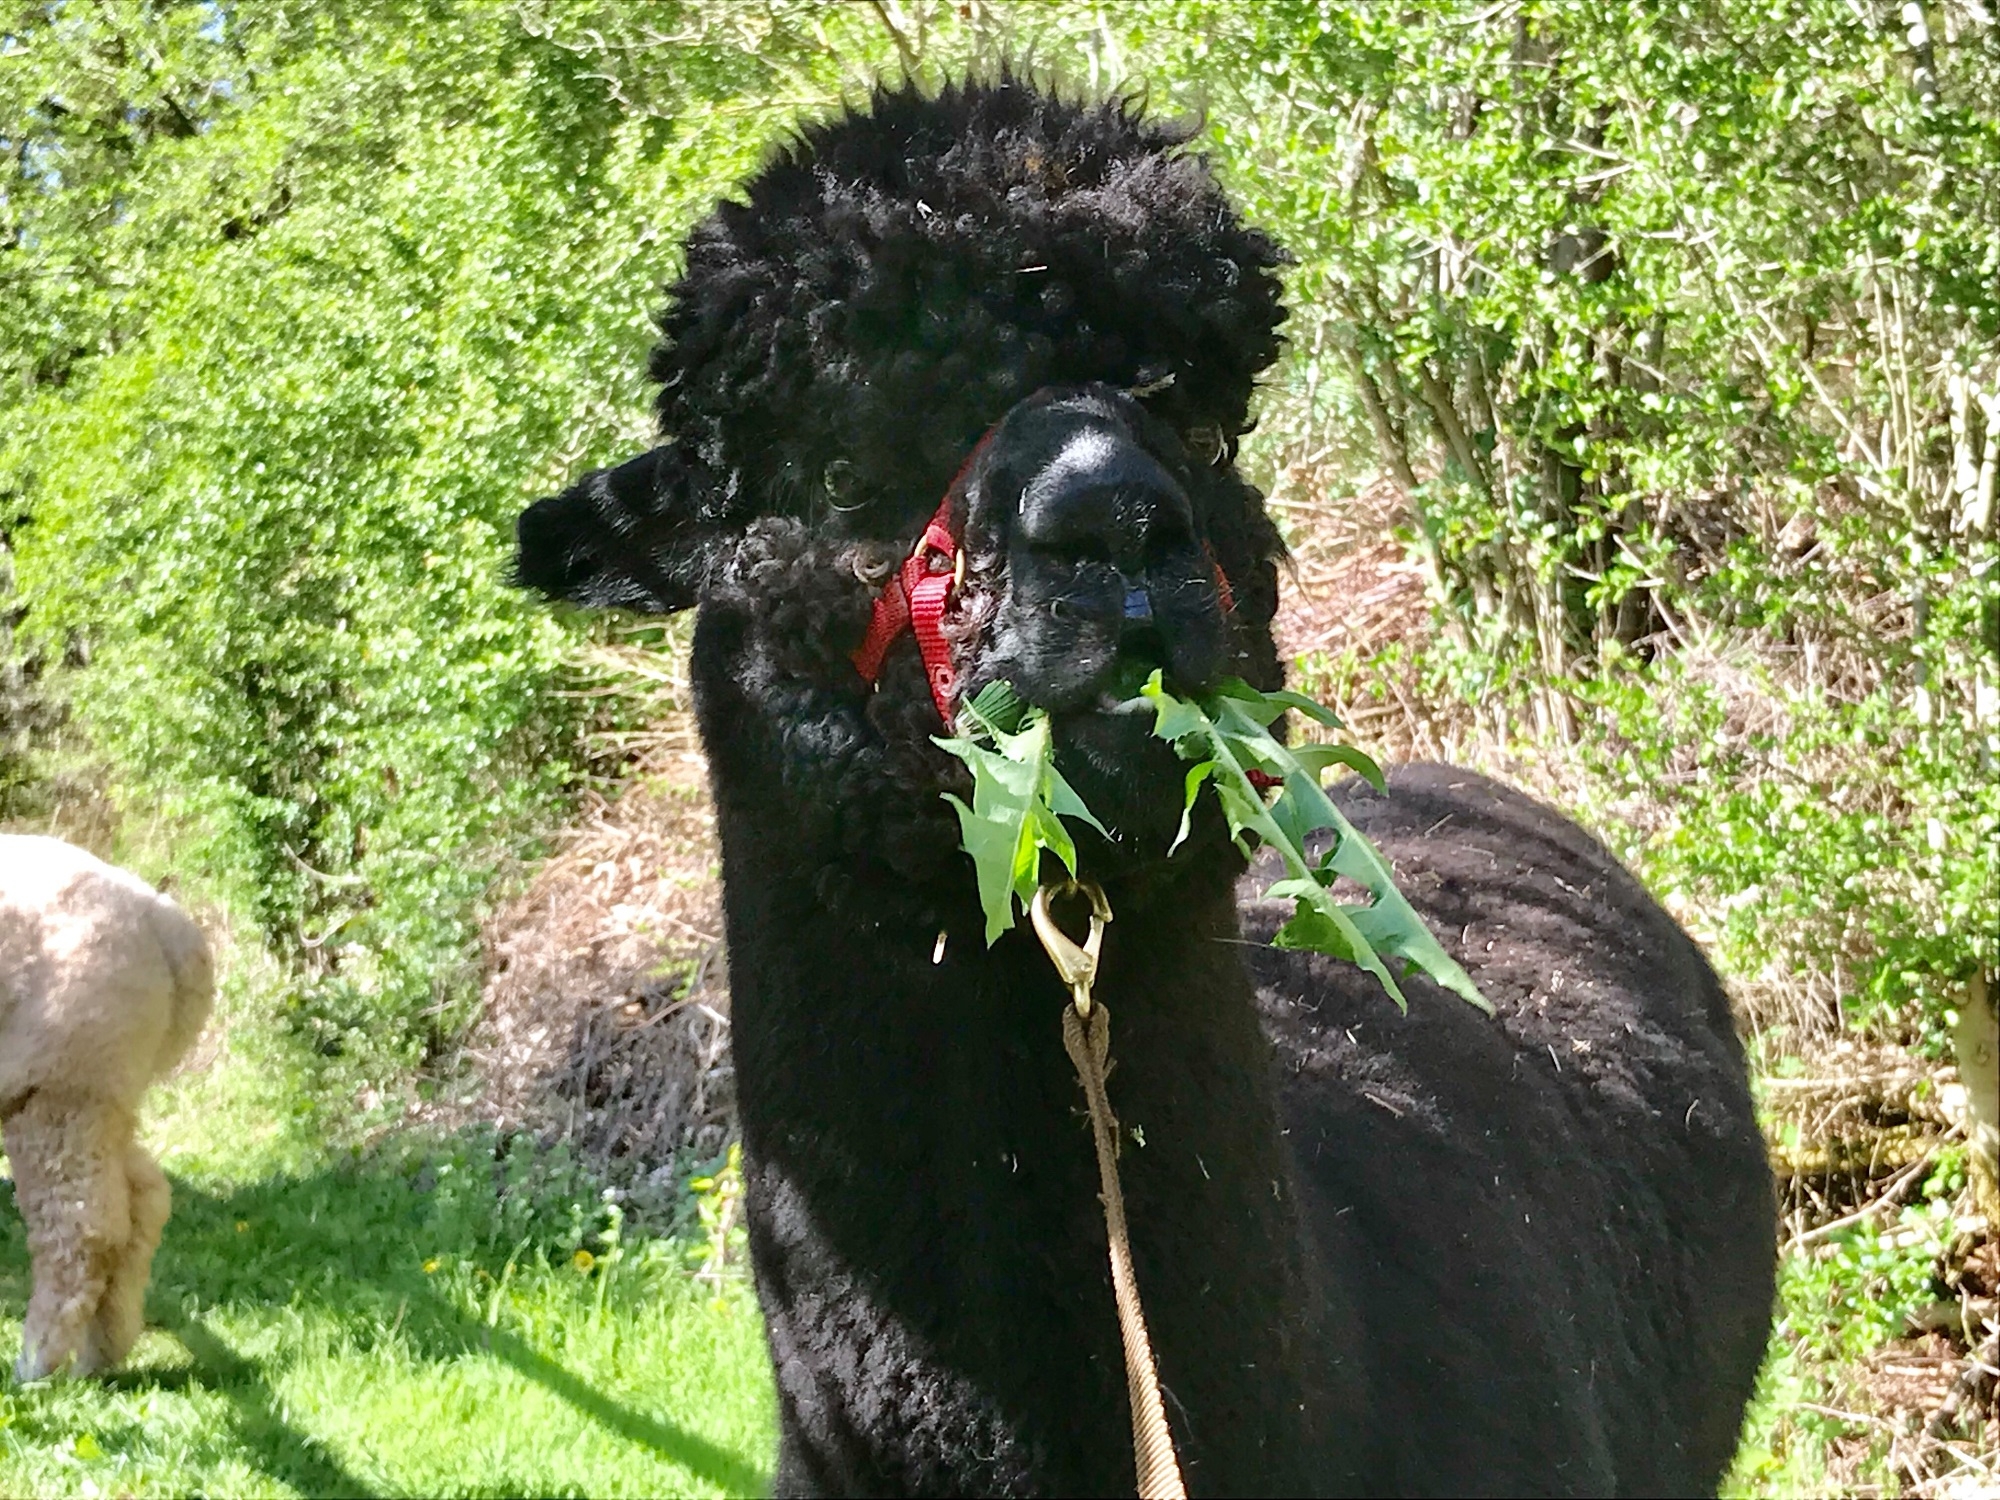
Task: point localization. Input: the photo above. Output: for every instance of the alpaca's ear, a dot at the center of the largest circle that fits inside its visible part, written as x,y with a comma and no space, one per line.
624,537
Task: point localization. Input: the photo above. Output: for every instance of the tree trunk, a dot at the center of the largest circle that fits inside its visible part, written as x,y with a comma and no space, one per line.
1395,452
1976,1040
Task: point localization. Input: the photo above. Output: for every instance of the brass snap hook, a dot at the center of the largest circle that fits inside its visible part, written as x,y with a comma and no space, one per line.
1075,965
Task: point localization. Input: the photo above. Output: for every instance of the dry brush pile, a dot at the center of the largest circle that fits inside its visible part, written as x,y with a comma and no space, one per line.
605,1016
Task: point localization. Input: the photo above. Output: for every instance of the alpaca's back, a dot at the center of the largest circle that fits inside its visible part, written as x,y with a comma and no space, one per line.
1558,1223
104,982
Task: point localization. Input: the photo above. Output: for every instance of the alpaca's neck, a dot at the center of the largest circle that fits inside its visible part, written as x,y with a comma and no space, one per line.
922,1163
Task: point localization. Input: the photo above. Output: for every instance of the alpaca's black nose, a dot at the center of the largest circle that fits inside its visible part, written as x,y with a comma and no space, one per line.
1102,493
1105,565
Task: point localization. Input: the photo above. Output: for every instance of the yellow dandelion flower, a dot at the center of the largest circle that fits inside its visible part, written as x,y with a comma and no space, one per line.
583,1260
241,1225
431,1265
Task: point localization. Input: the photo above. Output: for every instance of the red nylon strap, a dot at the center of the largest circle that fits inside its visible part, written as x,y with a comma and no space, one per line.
1221,581
890,618
916,599
928,579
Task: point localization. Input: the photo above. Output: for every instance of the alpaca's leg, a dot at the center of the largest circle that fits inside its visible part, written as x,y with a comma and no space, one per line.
122,1313
69,1178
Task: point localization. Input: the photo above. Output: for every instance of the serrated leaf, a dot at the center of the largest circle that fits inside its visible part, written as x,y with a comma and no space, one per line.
1319,713
1296,822
1230,728
1236,697
1314,931
1196,775
1044,829
1316,758
991,844
1019,801
1243,808
1403,934
1064,801
1173,720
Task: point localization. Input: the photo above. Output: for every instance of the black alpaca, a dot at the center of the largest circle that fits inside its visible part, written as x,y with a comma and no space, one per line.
1422,1254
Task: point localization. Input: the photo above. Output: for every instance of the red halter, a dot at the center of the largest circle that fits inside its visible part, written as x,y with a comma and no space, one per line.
916,598
919,593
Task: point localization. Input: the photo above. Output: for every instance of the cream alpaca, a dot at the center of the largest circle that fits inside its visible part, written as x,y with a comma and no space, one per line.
104,985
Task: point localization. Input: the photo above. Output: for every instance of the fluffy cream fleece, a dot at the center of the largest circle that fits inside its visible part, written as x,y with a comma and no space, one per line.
104,985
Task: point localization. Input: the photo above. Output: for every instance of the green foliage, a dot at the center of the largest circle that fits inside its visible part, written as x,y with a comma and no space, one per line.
1811,830
1227,737
1580,273
1863,1293
718,1198
1676,327
1019,800
302,315
1839,1303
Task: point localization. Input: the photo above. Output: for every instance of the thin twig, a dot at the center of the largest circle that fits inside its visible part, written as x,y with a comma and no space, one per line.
1886,1199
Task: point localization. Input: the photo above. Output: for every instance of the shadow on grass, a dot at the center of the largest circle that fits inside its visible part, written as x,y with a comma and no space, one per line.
279,1449
698,1455
349,1244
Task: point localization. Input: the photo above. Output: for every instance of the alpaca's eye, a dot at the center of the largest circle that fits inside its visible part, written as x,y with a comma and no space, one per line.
842,481
1205,445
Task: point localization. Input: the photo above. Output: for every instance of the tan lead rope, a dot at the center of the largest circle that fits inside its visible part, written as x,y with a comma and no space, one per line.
1087,1038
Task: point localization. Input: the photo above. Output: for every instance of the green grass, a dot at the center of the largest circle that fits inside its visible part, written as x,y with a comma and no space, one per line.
408,1319
413,1317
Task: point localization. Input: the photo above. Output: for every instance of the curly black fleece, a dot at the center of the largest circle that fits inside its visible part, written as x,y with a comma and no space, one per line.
1432,1254
950,259
895,281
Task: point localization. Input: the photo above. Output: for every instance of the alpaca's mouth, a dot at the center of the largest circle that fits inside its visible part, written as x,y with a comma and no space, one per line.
1128,777
1123,693
1114,743
1119,707
1112,729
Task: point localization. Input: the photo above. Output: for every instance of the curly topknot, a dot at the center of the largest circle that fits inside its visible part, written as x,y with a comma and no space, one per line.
901,276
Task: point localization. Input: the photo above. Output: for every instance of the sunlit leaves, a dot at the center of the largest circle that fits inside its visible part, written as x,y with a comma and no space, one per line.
299,303
1227,737
333,341
1019,800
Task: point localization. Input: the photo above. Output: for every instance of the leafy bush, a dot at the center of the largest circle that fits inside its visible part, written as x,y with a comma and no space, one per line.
1676,328
267,440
